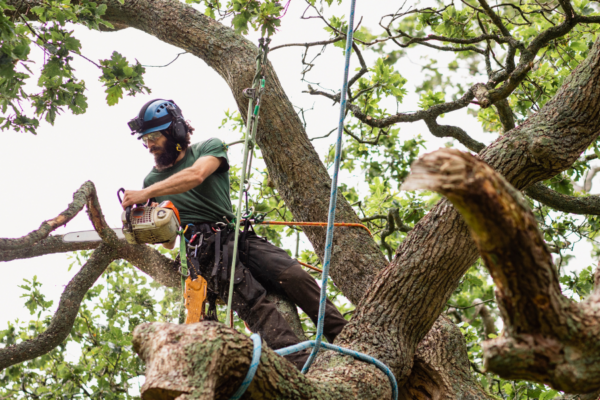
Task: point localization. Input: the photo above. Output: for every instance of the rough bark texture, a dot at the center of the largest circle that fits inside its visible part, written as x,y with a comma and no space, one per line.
209,361
441,370
405,299
589,205
547,337
51,245
289,312
407,296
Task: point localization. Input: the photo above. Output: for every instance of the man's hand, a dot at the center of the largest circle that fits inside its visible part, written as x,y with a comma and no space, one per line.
134,197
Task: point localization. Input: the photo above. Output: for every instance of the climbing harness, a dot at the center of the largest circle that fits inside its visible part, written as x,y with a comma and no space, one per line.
254,95
317,344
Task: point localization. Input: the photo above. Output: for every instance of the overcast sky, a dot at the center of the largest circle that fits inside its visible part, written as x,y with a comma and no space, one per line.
40,173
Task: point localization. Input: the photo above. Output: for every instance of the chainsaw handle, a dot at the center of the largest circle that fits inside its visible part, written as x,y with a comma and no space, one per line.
127,209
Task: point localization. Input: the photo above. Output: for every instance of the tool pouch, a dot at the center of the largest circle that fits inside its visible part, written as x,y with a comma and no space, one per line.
212,261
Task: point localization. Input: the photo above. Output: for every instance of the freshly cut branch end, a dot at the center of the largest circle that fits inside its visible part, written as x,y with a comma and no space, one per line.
548,338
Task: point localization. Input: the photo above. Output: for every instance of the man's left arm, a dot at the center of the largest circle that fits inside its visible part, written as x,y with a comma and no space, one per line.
181,182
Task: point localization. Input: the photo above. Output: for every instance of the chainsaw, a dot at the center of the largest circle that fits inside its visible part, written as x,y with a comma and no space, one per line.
142,224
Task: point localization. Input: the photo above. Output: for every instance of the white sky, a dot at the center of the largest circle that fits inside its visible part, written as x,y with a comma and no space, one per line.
40,173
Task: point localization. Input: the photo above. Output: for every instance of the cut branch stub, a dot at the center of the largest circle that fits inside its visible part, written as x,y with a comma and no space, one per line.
80,199
207,360
548,338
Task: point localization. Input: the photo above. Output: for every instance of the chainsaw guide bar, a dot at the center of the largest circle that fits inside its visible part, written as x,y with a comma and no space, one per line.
88,236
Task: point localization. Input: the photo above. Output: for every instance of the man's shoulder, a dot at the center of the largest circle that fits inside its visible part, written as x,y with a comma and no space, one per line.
209,147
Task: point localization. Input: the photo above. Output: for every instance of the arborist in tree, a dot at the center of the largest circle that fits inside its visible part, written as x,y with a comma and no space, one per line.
195,178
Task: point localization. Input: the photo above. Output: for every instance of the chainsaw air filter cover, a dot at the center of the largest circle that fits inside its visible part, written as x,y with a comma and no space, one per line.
151,224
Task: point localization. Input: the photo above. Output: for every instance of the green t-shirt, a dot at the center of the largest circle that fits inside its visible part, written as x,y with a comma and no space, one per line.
207,202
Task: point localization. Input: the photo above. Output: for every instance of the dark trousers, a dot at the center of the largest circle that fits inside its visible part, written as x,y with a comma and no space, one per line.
269,268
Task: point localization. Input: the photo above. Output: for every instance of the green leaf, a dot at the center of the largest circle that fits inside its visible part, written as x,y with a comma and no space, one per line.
579,46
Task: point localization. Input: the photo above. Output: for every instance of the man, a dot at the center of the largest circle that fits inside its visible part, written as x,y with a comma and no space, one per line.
196,179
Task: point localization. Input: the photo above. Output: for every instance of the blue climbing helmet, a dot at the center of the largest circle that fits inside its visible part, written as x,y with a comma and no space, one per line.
157,115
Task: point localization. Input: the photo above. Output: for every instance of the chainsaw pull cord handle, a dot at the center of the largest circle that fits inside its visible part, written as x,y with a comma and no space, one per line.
127,209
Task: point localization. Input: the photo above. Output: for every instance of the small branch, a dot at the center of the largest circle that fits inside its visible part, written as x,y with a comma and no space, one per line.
80,199
324,136
454,132
166,65
63,319
590,176
494,17
391,227
370,142
363,68
505,114
567,8
310,44
471,306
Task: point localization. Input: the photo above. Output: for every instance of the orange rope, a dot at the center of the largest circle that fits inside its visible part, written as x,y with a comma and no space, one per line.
315,224
310,266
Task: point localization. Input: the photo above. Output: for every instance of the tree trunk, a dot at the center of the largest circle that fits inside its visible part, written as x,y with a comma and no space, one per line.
398,304
547,337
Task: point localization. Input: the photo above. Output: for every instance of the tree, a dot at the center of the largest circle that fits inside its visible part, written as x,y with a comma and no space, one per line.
537,89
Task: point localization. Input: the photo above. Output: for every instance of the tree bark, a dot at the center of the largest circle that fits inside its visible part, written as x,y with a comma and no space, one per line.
404,300
441,361
547,338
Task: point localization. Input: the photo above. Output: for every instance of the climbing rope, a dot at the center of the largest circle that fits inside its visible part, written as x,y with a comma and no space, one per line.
184,269
317,344
256,352
254,95
333,196
363,357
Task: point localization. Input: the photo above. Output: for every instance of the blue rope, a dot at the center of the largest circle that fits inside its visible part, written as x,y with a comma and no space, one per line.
333,197
317,344
253,366
361,356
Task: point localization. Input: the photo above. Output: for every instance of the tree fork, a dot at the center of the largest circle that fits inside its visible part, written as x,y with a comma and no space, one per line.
548,338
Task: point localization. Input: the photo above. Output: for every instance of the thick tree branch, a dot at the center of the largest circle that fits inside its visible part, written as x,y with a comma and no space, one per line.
442,369
454,132
209,361
151,262
548,338
505,114
440,244
589,205
51,245
63,319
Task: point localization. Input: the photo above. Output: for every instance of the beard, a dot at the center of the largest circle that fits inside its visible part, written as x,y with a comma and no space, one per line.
165,156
